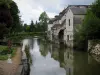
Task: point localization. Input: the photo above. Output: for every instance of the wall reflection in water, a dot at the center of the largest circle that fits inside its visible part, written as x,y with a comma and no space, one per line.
74,62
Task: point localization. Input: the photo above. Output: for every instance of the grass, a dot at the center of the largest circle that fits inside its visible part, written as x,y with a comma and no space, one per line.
2,47
4,52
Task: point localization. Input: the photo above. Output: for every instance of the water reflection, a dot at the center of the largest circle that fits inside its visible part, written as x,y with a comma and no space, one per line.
74,62
43,64
53,59
25,43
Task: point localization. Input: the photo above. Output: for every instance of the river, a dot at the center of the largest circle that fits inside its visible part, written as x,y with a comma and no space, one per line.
53,59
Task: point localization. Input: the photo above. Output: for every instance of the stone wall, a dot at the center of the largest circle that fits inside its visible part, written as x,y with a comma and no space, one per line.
94,47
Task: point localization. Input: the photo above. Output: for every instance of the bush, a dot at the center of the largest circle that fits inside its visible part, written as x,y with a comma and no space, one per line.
4,51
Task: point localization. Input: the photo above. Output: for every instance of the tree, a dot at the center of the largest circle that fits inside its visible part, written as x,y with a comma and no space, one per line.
90,27
7,2
32,26
28,28
5,17
38,27
44,20
95,8
3,30
25,26
16,26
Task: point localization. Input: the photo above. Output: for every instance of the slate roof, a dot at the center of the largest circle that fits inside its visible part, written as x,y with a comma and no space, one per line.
76,9
77,20
79,11
57,17
51,20
56,26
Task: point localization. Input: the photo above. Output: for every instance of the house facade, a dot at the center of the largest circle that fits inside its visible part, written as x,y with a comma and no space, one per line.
64,24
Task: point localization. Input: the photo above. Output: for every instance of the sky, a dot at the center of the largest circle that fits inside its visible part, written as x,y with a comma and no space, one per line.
31,9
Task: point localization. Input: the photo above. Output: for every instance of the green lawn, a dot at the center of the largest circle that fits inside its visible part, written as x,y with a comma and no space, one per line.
4,52
2,47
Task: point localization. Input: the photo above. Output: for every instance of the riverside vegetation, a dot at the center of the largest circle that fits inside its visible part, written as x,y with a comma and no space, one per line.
90,29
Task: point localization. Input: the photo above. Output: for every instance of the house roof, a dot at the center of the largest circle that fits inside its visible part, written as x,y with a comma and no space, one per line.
76,9
61,14
77,20
79,11
51,20
56,26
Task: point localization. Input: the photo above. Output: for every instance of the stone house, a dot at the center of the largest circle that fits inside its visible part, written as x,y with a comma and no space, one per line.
74,16
64,25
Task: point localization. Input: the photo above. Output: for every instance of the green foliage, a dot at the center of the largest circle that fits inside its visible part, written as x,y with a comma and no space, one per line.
16,26
5,17
90,27
44,48
3,30
95,8
25,25
38,26
3,48
7,2
32,27
44,20
4,51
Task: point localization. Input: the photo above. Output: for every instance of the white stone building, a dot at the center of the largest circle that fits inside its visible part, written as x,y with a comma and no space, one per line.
74,16
63,26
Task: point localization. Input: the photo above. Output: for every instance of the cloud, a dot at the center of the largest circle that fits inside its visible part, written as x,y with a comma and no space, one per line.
31,9
79,2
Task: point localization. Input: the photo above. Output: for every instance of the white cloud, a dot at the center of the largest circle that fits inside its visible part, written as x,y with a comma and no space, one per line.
51,15
31,9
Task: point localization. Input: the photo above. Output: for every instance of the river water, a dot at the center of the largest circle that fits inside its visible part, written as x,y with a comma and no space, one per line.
53,59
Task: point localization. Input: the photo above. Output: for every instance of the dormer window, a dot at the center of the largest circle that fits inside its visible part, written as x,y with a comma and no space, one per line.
69,22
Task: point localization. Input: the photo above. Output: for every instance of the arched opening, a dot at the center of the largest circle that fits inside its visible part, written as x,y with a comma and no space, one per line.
61,35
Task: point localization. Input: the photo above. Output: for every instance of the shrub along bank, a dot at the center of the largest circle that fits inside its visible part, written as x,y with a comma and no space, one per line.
90,29
4,51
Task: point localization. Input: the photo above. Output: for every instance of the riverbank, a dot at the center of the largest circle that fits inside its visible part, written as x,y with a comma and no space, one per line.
11,69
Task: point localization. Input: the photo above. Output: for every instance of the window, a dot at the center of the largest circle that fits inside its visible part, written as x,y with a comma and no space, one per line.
67,37
69,22
68,55
70,36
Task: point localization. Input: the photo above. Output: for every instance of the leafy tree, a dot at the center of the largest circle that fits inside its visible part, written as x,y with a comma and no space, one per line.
16,26
3,30
95,8
28,28
38,27
5,17
25,26
6,2
90,27
44,20
32,27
